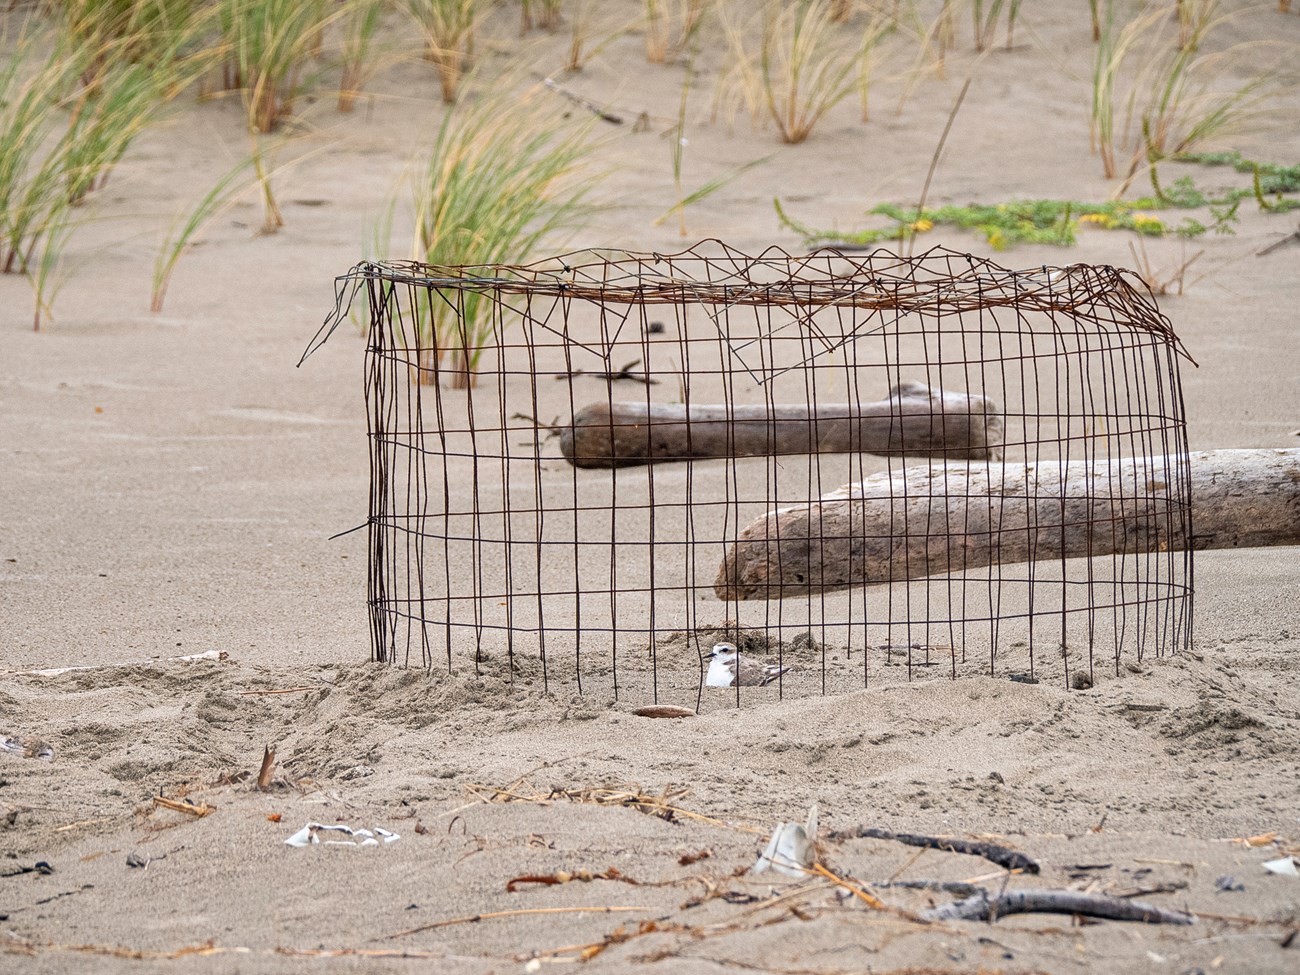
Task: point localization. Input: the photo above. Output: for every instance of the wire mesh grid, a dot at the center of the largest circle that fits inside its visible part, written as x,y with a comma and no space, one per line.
588,471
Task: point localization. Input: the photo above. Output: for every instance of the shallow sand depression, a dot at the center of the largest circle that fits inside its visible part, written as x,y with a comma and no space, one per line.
171,483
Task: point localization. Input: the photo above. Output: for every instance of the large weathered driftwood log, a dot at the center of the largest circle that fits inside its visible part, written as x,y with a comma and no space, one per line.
924,521
914,419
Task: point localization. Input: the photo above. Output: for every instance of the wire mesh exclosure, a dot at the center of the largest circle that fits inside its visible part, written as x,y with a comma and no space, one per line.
934,456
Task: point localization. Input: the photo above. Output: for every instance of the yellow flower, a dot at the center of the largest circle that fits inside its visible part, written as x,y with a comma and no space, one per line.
1146,221
1093,218
997,240
921,226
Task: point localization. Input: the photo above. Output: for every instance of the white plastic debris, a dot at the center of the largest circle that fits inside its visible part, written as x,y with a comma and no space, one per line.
216,656
1286,867
29,747
310,835
792,849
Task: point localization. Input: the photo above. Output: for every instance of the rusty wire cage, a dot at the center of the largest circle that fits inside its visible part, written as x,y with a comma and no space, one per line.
587,471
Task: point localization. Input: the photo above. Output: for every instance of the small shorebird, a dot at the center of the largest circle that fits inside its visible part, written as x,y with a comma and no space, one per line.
727,668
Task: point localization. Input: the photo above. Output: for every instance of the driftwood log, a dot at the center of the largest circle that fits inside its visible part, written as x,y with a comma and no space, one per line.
982,907
1001,855
913,419
924,521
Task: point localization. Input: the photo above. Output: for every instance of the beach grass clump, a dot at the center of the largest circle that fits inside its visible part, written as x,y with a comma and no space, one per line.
134,31
671,26
986,13
360,25
449,28
31,184
935,39
705,189
796,64
124,98
127,58
1159,89
541,14
269,45
68,113
503,175
35,209
220,197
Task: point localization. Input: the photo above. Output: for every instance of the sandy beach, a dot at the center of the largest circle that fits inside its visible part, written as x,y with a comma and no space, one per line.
172,480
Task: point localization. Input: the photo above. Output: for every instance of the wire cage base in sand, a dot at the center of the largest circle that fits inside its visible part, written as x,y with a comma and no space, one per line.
588,470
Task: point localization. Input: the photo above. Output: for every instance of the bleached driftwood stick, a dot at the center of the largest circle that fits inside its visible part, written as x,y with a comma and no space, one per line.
924,521
913,419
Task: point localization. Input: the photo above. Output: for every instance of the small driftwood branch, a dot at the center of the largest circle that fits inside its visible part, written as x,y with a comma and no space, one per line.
982,907
663,711
590,106
914,419
1001,855
267,770
518,912
925,521
183,806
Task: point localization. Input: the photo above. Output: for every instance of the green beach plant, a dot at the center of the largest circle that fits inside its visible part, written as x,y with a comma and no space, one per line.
985,14
272,217
361,22
679,143
1187,107
934,40
1170,281
32,188
269,45
799,67
1275,188
251,171
670,26
45,272
449,28
35,211
106,116
1001,225
542,14
138,31
186,226
1179,95
1195,18
60,136
580,16
130,57
503,176
1271,185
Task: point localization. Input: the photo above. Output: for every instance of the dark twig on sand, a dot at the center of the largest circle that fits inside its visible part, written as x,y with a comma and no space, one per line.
1001,855
1292,236
590,106
624,373
492,915
957,888
982,907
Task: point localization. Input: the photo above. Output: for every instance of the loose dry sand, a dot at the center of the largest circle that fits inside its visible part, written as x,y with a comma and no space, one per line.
170,483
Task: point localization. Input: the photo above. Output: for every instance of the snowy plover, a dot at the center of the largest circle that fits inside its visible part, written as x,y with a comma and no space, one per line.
727,668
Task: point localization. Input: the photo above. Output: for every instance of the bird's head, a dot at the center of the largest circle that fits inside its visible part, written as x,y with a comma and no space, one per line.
723,651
